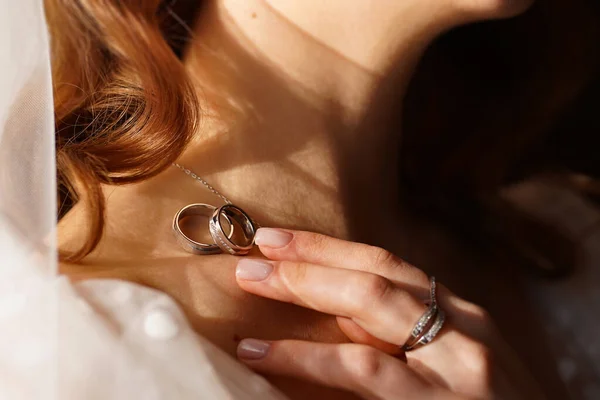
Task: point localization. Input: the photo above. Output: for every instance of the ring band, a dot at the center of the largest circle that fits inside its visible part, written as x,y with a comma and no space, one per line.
425,330
184,241
422,323
437,326
225,242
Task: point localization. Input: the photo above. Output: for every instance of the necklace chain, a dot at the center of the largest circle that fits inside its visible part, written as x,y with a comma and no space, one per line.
209,187
199,179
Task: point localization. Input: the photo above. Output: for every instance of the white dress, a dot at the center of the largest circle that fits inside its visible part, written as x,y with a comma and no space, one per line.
99,339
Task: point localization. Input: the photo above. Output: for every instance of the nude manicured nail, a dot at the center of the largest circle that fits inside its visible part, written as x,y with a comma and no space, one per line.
250,269
270,237
252,349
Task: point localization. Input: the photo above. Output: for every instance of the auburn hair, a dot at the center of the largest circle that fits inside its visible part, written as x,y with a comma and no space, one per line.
124,107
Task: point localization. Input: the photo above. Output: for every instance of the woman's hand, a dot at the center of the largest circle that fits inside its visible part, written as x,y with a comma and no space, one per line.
377,299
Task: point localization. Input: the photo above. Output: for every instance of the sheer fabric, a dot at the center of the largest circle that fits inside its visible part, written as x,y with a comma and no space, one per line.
100,339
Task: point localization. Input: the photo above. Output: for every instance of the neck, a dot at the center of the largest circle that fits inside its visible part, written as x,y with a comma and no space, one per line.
298,131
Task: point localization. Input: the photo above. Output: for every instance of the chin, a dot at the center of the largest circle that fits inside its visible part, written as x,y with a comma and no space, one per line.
493,9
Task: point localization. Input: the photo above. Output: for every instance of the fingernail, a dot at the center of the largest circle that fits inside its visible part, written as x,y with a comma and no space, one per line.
252,349
271,237
253,270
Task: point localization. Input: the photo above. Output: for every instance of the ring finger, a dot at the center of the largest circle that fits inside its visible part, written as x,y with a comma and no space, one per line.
373,302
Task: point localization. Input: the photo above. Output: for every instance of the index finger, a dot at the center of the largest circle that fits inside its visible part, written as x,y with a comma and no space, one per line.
314,248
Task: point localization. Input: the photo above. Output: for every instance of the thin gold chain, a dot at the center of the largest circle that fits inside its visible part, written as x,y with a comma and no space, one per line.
197,177
189,172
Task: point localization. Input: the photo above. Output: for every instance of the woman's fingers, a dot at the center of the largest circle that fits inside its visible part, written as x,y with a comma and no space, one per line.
300,246
312,248
373,302
363,370
377,299
358,335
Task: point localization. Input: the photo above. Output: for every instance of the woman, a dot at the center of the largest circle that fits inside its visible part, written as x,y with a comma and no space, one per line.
286,108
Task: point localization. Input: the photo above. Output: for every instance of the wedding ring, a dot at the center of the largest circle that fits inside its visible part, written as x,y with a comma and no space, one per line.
188,244
420,326
437,326
234,214
424,328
